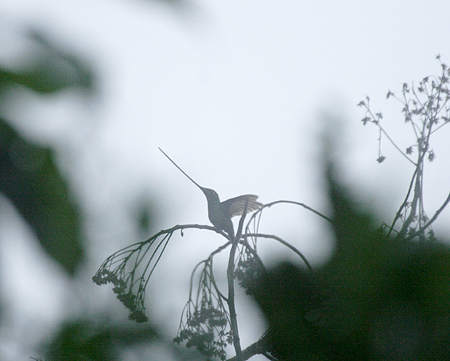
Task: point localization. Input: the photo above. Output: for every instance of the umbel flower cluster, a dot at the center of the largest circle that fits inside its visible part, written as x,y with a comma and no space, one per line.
425,110
205,321
135,303
129,271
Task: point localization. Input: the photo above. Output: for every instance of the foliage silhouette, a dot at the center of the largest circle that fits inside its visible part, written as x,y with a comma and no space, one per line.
31,180
379,296
29,176
87,339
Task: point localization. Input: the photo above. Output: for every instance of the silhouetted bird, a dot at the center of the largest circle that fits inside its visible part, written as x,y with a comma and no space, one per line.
220,213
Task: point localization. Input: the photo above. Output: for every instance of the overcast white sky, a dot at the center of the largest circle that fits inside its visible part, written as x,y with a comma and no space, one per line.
235,93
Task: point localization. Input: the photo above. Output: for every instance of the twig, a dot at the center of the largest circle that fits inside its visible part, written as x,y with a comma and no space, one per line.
268,205
431,220
282,241
376,121
256,348
405,202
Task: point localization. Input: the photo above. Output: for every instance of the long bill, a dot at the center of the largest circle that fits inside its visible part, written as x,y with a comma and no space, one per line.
181,170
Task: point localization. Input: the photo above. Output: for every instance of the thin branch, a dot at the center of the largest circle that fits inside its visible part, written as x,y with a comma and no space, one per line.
417,180
213,280
257,348
377,123
395,145
439,127
282,241
191,282
176,228
268,205
438,212
231,295
253,252
405,202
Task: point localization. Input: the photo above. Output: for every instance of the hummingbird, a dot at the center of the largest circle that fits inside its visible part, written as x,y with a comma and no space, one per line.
220,213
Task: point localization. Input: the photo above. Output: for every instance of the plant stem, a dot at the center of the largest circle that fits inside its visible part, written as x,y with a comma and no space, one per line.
231,294
231,304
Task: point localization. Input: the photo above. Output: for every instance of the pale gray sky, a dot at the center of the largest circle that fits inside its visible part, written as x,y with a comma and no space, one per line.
234,92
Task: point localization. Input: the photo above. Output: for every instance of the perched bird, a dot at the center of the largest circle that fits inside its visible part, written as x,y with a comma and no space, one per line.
220,213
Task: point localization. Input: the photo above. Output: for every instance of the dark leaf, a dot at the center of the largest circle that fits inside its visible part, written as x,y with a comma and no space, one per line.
377,298
51,70
88,340
32,182
365,120
431,155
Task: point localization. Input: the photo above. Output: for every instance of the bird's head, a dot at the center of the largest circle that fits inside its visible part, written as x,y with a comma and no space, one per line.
210,194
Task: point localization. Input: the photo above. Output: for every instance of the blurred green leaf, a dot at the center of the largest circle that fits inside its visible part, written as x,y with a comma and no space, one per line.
51,70
28,175
376,299
32,182
85,340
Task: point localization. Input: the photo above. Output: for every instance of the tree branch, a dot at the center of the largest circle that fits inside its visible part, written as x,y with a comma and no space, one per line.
231,298
260,347
438,212
268,205
282,241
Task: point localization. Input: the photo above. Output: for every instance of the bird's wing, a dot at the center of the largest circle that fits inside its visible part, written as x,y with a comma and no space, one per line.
235,206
